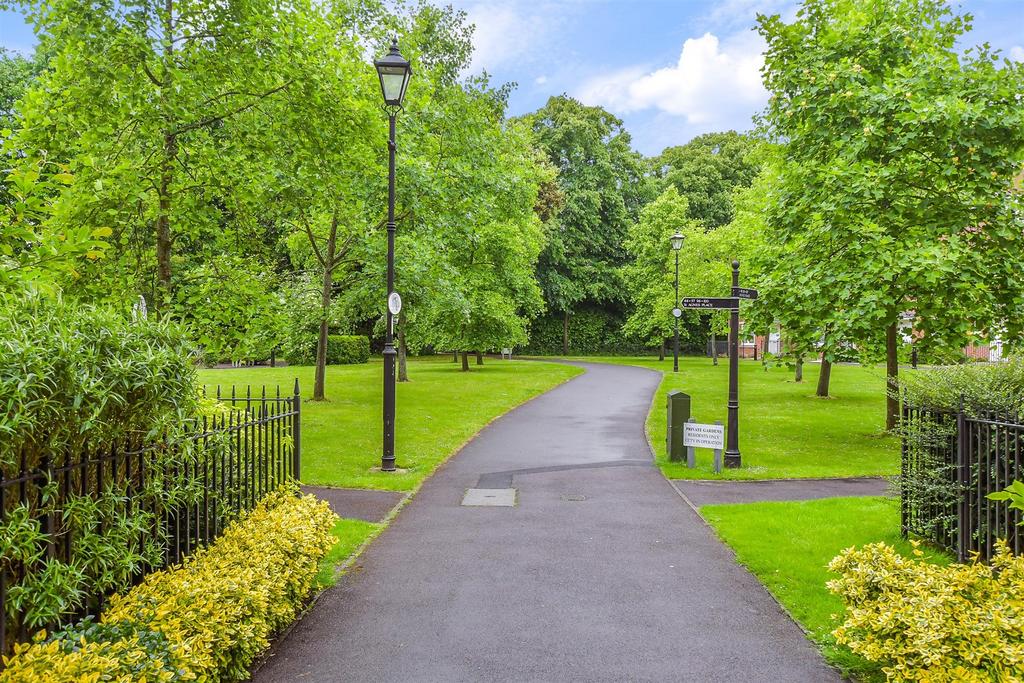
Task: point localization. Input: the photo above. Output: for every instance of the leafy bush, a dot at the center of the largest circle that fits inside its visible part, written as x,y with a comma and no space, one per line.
343,349
80,380
206,619
983,386
925,622
590,332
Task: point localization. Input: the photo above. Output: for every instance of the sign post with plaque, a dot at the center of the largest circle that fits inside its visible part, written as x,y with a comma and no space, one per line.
732,304
696,435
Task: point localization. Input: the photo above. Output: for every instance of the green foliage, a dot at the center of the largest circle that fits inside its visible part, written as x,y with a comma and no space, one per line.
80,379
599,176
17,74
982,386
922,622
650,275
345,349
592,330
206,619
707,171
895,191
1014,493
39,248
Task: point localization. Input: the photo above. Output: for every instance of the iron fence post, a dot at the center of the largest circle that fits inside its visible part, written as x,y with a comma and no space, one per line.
296,431
963,484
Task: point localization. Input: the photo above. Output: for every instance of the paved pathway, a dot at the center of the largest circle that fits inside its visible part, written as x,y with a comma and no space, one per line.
372,506
703,492
600,573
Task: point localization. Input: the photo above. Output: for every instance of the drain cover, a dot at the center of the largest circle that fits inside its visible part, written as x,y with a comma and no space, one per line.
573,497
489,498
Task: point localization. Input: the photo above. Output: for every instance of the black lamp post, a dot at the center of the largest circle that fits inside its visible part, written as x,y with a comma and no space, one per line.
394,71
677,244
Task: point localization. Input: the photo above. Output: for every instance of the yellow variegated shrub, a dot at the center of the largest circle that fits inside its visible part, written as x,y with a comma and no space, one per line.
204,620
925,622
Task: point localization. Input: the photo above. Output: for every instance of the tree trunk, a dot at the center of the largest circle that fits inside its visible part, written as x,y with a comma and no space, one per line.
798,375
661,350
325,306
403,350
565,333
714,348
892,373
479,357
455,356
764,348
465,361
823,378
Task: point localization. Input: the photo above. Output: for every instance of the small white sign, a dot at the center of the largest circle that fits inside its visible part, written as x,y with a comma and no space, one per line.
395,303
676,312
703,436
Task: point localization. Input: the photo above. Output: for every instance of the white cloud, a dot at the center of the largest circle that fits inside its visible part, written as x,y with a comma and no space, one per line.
1017,53
512,33
540,80
713,82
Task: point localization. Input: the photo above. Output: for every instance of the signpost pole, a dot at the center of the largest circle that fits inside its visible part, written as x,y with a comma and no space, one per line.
732,446
675,347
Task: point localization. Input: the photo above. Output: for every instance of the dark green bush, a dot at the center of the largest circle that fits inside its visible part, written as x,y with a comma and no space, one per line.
590,332
345,349
80,380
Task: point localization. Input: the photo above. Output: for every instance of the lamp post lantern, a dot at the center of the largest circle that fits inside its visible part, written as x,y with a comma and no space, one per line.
677,244
394,72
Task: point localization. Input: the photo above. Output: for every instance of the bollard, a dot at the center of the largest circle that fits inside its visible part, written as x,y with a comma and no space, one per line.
678,413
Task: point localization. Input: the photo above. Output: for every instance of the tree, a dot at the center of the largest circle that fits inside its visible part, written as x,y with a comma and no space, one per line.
650,276
895,194
706,171
599,176
17,74
137,102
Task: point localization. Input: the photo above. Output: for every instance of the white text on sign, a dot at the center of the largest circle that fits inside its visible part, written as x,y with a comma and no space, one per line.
703,436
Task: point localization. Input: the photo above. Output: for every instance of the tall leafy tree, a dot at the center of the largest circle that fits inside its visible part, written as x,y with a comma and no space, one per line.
896,191
707,171
138,100
600,178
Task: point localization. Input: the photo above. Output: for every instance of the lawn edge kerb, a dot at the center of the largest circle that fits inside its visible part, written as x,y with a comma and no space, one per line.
342,568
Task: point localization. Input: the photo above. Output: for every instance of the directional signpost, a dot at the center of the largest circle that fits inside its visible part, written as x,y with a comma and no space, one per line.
732,447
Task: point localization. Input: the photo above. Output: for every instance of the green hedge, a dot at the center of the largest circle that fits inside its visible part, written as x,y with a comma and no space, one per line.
342,349
590,332
346,349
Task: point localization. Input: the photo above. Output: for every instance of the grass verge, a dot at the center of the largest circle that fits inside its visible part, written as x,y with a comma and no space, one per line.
437,412
788,547
785,430
351,534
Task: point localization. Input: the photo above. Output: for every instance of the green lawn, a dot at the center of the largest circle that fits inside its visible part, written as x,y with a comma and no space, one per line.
785,430
438,411
789,545
351,534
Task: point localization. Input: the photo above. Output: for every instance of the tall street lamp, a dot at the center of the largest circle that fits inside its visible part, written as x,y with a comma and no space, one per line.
677,244
394,71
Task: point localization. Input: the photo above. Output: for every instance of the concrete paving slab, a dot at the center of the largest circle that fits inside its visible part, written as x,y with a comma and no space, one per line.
625,584
365,504
489,498
704,492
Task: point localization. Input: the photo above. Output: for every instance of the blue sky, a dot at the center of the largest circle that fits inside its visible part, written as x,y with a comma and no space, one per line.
671,69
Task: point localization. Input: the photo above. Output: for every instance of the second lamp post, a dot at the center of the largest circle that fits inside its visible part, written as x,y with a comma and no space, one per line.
677,244
394,71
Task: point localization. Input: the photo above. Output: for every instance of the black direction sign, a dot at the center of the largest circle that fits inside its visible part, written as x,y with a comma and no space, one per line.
706,302
744,293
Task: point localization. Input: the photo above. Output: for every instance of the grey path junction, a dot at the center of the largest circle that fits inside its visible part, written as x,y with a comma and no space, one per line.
599,572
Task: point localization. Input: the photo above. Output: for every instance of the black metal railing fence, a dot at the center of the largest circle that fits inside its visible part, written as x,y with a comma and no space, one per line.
185,493
951,461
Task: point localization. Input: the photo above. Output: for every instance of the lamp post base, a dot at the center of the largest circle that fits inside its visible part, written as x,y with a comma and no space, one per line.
732,460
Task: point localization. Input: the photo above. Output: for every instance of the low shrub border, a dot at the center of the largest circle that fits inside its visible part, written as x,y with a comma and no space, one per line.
345,349
206,619
922,622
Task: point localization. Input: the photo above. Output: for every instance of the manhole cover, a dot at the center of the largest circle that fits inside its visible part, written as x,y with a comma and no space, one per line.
489,498
573,497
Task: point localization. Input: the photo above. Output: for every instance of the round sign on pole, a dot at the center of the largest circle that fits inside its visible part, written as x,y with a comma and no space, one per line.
394,303
677,313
